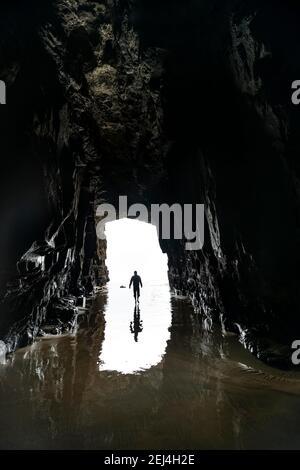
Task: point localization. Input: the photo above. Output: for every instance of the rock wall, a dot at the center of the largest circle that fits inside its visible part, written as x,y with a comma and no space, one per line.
174,101
82,125
235,144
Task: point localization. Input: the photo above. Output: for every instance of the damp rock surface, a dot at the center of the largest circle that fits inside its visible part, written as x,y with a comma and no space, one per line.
180,101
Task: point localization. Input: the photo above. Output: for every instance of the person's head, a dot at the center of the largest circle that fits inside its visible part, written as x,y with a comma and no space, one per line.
135,273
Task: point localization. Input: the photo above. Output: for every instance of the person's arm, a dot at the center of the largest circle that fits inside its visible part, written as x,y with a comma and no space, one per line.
141,282
130,282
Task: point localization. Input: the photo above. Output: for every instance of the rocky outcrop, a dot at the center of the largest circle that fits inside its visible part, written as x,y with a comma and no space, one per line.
169,101
236,129
89,128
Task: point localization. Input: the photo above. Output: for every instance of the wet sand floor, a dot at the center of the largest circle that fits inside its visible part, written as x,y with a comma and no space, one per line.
148,379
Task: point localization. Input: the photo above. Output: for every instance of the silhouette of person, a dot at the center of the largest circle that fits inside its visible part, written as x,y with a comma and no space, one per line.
136,281
136,326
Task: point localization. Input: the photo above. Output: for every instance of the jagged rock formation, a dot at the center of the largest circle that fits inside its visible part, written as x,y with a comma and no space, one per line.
90,127
175,101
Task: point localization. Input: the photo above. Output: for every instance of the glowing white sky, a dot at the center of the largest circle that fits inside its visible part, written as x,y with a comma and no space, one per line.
133,246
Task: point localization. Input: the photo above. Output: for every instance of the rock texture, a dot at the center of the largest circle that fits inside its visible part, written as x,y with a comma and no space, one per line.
174,101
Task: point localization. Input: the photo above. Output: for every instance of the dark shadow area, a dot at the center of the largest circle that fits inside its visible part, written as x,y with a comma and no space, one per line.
136,326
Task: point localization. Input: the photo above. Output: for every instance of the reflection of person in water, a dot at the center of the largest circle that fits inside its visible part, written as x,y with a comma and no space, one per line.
136,281
136,326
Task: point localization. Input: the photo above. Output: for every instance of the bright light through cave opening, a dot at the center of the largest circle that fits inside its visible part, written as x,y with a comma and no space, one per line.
131,246
135,336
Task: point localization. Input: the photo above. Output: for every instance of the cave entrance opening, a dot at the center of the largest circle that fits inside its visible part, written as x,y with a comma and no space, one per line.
133,246
136,335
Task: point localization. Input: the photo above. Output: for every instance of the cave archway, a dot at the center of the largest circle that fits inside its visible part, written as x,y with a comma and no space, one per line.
117,102
140,331
133,244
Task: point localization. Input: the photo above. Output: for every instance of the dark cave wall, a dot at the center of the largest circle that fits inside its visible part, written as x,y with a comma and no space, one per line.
50,254
87,114
234,134
180,101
